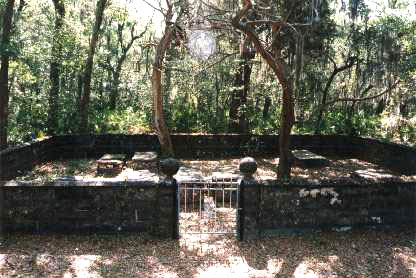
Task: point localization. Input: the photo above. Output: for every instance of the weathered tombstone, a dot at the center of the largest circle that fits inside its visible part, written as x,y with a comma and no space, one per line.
308,159
110,164
224,177
144,160
375,175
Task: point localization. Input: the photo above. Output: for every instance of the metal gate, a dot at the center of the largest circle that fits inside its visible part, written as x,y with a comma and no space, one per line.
208,207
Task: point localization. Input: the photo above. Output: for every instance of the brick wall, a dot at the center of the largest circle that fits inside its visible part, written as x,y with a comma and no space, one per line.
396,157
151,207
276,208
140,206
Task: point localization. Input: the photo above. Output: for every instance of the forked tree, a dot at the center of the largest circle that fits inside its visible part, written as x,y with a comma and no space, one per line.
272,54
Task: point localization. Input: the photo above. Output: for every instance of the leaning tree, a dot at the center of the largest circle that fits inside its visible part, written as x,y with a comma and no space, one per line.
161,48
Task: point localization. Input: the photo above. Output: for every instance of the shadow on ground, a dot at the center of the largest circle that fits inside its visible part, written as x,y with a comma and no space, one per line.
353,254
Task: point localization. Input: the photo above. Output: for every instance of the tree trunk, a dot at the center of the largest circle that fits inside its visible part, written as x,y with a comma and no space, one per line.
266,107
159,120
1,212
167,82
350,129
238,121
280,69
55,67
114,90
217,96
80,82
322,106
85,99
286,123
4,73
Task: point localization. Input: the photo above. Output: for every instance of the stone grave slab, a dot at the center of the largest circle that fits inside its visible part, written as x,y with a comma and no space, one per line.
375,175
308,159
221,177
144,160
189,174
111,163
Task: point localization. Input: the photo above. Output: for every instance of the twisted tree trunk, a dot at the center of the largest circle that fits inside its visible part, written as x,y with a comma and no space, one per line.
159,120
158,117
280,69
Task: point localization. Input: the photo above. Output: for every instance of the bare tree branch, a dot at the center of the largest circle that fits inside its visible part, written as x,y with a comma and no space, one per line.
153,7
217,62
365,98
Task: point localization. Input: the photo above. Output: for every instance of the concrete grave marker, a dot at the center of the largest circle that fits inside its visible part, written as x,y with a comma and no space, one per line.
110,163
143,160
308,159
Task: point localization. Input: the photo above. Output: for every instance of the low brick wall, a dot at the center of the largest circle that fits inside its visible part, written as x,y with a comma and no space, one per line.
91,207
18,159
393,156
14,161
151,207
276,209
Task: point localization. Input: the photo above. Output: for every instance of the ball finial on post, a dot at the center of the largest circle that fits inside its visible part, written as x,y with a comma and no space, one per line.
248,166
169,167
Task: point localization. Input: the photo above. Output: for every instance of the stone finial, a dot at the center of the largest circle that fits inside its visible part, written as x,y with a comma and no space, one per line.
248,166
169,167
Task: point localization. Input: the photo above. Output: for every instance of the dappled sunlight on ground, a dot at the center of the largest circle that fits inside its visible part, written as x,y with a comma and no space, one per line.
405,257
237,267
325,255
81,266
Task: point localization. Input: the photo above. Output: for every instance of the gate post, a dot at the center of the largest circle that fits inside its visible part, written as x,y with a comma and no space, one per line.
167,219
1,212
248,201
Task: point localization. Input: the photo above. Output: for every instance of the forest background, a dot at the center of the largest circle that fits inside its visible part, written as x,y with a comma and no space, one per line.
353,69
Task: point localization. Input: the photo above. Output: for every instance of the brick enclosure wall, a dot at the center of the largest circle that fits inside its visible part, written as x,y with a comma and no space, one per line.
276,208
101,207
396,157
14,161
393,156
151,207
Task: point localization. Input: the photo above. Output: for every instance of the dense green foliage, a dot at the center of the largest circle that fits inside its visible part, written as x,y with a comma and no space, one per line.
380,47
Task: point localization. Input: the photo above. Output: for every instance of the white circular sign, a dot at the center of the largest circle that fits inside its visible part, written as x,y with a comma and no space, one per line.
202,44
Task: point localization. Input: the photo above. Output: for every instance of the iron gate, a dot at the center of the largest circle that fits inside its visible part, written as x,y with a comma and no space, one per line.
208,207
